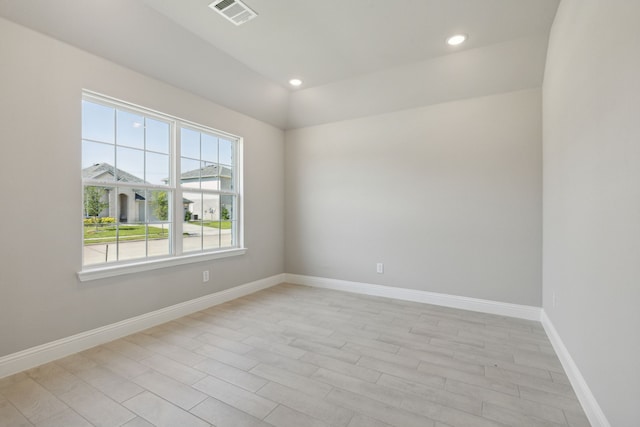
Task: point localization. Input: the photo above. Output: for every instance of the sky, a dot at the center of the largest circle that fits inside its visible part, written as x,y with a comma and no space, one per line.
141,145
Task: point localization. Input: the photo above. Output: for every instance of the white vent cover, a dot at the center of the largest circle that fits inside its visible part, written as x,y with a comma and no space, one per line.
233,10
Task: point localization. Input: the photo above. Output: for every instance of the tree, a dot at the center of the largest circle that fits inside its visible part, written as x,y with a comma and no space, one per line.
224,213
160,205
94,203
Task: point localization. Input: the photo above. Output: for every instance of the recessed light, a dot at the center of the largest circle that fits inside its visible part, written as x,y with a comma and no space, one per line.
457,39
295,82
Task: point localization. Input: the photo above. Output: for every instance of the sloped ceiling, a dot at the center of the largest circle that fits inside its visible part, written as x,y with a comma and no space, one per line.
356,57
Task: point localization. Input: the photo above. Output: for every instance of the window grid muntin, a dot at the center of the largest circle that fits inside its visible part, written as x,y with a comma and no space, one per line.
233,192
173,186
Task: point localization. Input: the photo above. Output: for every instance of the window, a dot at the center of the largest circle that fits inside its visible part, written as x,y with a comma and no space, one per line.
155,187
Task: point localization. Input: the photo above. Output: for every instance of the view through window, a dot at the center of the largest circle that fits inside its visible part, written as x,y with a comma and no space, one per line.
154,186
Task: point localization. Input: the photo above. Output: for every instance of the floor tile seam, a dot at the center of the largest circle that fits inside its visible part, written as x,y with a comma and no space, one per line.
573,398
388,403
29,419
58,396
269,413
188,411
79,415
553,406
310,378
229,382
420,396
311,416
498,380
355,365
480,387
144,388
570,393
444,421
97,390
205,397
351,377
374,349
374,416
209,332
564,423
170,376
524,414
461,353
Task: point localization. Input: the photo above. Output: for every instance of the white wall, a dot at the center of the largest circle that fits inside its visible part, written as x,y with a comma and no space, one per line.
499,68
592,197
40,252
447,196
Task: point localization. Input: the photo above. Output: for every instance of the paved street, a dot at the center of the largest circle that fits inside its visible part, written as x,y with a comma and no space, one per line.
208,237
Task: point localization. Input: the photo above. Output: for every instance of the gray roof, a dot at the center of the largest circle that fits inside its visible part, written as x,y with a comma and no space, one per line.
207,172
98,169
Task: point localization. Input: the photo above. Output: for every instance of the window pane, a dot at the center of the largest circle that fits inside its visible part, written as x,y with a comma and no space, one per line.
226,178
159,242
209,148
97,161
157,171
97,201
190,143
132,241
159,205
227,204
211,225
228,221
226,152
126,205
98,225
98,122
130,165
190,176
131,215
227,233
130,129
226,162
138,213
210,207
209,177
192,227
157,136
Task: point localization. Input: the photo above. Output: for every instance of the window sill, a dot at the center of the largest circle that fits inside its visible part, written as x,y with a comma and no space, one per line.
120,269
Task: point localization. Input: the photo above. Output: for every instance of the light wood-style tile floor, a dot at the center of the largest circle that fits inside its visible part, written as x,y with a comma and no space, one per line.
293,356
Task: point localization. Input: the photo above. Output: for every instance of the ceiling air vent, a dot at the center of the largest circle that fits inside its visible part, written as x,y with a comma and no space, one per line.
233,10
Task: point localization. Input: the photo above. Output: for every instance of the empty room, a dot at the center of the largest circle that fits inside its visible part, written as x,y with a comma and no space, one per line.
297,213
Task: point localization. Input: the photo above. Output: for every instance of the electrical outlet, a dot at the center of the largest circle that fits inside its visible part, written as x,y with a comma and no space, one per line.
205,276
380,268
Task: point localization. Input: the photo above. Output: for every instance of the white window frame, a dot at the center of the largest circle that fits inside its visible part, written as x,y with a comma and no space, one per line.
176,256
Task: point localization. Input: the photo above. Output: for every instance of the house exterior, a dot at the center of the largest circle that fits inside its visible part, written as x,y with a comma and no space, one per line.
130,206
208,206
131,202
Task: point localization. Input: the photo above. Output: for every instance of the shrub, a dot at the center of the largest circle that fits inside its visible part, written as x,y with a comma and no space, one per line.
224,213
97,220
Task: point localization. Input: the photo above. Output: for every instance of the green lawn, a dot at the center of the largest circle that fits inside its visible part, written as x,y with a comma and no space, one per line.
127,232
224,225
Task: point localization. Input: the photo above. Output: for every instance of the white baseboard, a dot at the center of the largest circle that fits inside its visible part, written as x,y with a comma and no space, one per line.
465,303
36,356
585,396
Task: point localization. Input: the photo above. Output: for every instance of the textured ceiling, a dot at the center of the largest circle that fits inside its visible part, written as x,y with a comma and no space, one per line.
356,57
